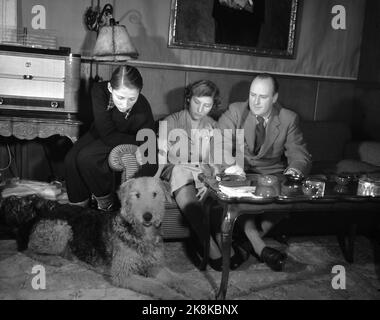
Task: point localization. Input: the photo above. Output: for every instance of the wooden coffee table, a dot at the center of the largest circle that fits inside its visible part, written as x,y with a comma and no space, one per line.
290,199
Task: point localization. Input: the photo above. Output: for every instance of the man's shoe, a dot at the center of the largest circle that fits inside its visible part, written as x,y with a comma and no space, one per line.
110,208
273,258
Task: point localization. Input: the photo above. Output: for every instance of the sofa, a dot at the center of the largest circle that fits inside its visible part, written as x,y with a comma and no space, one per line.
334,151
330,144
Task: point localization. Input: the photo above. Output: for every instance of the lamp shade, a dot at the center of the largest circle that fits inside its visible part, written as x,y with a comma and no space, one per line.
114,44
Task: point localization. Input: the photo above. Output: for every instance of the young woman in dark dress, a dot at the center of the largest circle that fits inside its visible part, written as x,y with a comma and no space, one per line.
120,111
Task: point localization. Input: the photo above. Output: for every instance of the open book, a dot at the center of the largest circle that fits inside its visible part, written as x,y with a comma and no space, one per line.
238,189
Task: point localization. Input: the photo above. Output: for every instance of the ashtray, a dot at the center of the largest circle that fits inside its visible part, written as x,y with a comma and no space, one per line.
313,188
369,186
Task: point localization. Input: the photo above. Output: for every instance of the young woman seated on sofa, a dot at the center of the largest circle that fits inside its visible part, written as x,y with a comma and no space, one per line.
201,98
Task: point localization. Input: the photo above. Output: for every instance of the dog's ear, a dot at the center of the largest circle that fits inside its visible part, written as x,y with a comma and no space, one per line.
124,189
165,186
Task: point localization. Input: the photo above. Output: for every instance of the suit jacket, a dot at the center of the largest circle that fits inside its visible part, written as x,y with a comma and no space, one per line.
283,138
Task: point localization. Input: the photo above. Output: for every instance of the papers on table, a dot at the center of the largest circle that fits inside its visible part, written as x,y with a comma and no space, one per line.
239,191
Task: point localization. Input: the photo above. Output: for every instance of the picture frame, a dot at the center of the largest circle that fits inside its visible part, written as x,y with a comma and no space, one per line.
268,28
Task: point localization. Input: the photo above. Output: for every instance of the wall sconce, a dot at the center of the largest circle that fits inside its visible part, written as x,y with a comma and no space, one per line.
113,42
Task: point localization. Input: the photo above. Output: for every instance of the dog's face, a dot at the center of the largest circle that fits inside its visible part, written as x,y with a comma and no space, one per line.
143,204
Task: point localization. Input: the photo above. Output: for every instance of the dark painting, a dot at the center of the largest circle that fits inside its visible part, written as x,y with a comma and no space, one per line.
262,27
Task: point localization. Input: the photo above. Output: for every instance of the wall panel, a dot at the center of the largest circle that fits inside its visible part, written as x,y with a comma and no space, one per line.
164,90
367,113
299,95
335,101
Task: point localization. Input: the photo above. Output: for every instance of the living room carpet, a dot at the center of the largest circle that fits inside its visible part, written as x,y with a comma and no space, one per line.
307,276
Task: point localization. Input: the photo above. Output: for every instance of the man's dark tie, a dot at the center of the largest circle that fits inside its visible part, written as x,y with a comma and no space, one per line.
260,134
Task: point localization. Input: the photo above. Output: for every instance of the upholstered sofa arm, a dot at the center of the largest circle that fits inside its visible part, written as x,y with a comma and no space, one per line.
367,151
360,157
122,158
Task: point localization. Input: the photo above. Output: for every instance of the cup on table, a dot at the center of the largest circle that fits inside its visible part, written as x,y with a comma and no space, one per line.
267,186
313,188
369,186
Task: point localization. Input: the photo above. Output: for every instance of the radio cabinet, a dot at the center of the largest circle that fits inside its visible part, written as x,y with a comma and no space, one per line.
40,82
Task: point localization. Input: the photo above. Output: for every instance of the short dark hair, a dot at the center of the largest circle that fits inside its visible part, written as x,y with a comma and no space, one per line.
126,76
275,83
203,88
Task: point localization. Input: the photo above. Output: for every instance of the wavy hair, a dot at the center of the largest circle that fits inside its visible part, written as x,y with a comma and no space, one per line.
203,88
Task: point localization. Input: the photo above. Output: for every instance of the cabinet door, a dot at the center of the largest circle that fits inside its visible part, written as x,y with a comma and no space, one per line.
20,66
32,88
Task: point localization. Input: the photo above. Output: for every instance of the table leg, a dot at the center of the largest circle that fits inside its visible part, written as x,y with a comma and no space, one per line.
207,204
351,242
346,241
229,217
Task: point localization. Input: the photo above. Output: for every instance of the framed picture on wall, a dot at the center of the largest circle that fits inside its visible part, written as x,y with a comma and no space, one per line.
258,27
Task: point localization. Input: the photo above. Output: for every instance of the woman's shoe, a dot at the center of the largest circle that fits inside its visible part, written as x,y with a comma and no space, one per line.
216,264
236,261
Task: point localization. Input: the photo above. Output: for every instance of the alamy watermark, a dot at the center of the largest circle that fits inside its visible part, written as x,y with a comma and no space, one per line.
39,280
338,282
207,146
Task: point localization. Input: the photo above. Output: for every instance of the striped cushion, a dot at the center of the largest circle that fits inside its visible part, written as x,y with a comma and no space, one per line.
174,226
122,158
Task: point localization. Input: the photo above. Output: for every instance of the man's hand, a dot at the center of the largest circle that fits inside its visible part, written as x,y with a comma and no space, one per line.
293,172
235,170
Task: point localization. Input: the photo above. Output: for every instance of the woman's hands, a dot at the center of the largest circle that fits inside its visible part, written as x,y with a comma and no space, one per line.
202,191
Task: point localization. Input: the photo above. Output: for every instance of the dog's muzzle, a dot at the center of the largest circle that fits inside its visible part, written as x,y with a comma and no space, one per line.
148,220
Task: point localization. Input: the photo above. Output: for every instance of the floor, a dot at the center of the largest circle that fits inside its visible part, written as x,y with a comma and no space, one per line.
310,274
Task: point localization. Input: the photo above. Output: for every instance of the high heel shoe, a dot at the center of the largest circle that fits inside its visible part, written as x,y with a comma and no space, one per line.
236,260
216,264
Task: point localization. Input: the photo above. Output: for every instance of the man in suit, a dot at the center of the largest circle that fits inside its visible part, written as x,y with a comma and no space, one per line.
271,133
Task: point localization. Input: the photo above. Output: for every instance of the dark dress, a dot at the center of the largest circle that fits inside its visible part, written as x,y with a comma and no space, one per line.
86,165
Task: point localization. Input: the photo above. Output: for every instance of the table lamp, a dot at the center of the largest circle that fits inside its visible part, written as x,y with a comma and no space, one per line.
113,42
